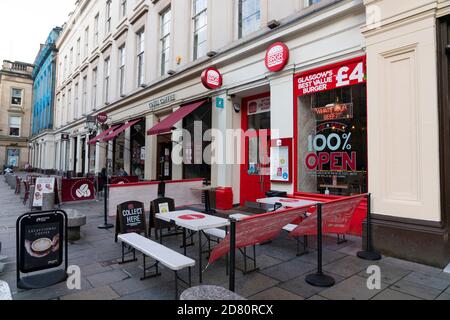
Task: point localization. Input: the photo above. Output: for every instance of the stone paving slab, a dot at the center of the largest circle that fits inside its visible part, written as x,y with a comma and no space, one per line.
416,290
289,270
444,296
103,293
275,293
354,288
393,295
299,286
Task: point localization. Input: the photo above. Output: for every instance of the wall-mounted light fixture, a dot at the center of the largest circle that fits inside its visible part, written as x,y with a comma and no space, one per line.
273,24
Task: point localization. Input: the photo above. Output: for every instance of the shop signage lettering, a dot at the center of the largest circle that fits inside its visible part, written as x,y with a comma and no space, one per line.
336,76
334,112
331,152
277,57
131,217
212,78
161,101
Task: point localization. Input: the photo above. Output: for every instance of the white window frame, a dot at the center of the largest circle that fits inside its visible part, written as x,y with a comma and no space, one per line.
76,102
195,54
123,8
165,40
69,104
94,87
78,60
96,30
241,19
122,74
21,97
140,56
15,126
86,42
84,96
108,17
107,75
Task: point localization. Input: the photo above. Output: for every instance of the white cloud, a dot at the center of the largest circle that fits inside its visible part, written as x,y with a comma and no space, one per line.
25,24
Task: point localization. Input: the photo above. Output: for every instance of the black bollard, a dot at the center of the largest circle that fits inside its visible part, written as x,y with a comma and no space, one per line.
319,279
232,259
106,225
370,254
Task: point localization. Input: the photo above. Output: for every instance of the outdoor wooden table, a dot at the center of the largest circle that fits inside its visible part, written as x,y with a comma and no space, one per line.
206,190
287,202
197,222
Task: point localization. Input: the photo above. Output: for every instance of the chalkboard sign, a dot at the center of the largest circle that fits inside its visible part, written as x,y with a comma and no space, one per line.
41,242
131,218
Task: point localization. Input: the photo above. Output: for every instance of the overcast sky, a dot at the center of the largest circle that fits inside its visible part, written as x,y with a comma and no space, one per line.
25,24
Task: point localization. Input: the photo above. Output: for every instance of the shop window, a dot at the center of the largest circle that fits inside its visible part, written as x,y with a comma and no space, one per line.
200,21
15,124
16,97
140,57
332,132
249,17
138,151
195,163
13,157
166,18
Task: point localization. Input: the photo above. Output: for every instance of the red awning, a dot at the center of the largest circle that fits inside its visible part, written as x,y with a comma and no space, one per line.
167,124
103,134
118,131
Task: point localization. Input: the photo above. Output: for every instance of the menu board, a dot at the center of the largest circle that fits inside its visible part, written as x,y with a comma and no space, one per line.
41,242
279,169
43,185
280,161
131,218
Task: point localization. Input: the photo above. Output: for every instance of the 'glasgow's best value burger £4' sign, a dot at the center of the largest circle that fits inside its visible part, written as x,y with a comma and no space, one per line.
343,74
277,57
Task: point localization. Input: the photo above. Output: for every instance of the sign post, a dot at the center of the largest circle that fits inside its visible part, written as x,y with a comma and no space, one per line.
41,248
106,225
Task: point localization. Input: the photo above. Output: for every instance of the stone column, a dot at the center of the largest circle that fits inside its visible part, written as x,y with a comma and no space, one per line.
100,154
79,160
87,155
127,152
150,150
177,160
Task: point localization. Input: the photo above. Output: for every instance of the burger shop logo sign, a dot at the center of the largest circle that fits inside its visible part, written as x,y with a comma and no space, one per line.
212,78
277,57
102,118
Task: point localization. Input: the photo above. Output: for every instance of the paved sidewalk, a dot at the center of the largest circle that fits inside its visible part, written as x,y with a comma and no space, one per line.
281,274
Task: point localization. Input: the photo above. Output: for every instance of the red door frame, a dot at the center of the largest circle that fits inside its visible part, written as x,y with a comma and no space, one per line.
245,178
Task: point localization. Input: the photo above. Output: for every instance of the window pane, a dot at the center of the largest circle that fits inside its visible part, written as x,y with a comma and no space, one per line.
333,141
249,16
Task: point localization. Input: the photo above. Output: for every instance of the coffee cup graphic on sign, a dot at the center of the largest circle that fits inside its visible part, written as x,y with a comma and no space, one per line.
83,191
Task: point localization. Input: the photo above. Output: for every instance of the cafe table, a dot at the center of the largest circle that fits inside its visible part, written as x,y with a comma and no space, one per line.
287,202
197,222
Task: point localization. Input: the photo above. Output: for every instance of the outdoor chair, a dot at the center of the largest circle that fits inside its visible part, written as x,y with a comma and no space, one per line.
155,208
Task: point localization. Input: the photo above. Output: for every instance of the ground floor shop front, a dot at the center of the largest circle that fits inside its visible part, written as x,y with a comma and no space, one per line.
361,116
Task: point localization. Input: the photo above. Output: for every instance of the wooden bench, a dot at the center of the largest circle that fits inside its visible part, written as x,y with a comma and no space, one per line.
161,254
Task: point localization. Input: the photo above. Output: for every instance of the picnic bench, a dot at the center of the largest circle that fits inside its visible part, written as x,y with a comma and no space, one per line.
161,254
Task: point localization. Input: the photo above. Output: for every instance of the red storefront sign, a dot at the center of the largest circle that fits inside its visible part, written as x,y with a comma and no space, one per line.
342,74
102,118
77,190
277,57
212,78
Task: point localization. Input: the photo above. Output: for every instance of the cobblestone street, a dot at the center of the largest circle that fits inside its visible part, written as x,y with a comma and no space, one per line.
281,274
